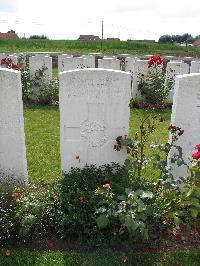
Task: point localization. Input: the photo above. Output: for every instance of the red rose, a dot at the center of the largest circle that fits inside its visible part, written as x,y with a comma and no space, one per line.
194,231
178,237
196,155
16,67
51,245
197,147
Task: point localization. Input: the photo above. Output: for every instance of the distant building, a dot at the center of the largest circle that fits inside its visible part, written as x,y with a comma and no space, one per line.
196,43
89,38
8,36
113,39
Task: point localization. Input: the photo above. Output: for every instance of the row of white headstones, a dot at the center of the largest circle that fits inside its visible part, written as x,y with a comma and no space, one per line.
94,110
132,64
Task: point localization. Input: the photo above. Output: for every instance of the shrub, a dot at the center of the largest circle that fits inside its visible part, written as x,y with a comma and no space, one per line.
45,90
36,209
154,86
26,84
79,199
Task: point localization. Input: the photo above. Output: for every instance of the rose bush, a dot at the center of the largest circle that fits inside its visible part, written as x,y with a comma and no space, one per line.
153,86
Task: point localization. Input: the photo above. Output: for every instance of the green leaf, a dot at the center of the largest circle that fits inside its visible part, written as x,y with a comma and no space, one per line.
122,197
130,224
194,212
126,142
102,221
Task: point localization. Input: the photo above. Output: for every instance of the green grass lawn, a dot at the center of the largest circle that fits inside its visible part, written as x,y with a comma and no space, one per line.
98,258
109,47
43,137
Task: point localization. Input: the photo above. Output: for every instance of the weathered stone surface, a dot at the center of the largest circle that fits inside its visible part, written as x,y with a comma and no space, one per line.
14,58
39,61
90,60
12,140
186,114
76,63
173,69
195,67
140,68
129,64
109,63
94,111
61,61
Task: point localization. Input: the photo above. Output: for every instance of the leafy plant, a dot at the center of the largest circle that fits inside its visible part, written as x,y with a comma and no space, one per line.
79,199
154,86
129,211
45,90
26,83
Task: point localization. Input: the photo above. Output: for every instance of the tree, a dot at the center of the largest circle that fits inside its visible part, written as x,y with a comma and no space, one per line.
186,38
11,31
165,39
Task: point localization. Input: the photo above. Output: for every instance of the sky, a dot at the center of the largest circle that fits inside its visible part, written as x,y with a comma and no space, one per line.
124,19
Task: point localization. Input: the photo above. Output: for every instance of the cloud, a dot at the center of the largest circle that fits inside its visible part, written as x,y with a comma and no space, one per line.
8,5
134,7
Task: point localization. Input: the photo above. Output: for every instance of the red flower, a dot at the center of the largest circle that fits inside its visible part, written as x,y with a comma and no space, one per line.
50,245
196,155
155,60
178,237
197,147
181,227
194,231
16,67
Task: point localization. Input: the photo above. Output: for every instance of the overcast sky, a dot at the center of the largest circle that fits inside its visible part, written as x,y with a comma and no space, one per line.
125,19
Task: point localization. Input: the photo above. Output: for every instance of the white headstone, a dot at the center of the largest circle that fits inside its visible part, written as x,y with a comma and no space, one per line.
61,61
129,64
2,56
94,111
110,56
76,63
195,67
39,61
109,63
140,68
173,69
90,60
12,140
14,58
186,115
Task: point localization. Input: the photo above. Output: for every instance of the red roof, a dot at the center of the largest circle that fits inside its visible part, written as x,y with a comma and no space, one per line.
8,36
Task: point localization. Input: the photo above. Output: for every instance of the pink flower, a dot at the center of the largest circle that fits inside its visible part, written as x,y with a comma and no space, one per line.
194,231
178,237
196,155
51,245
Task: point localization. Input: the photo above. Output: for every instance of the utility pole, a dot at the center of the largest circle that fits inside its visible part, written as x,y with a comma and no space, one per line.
102,35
